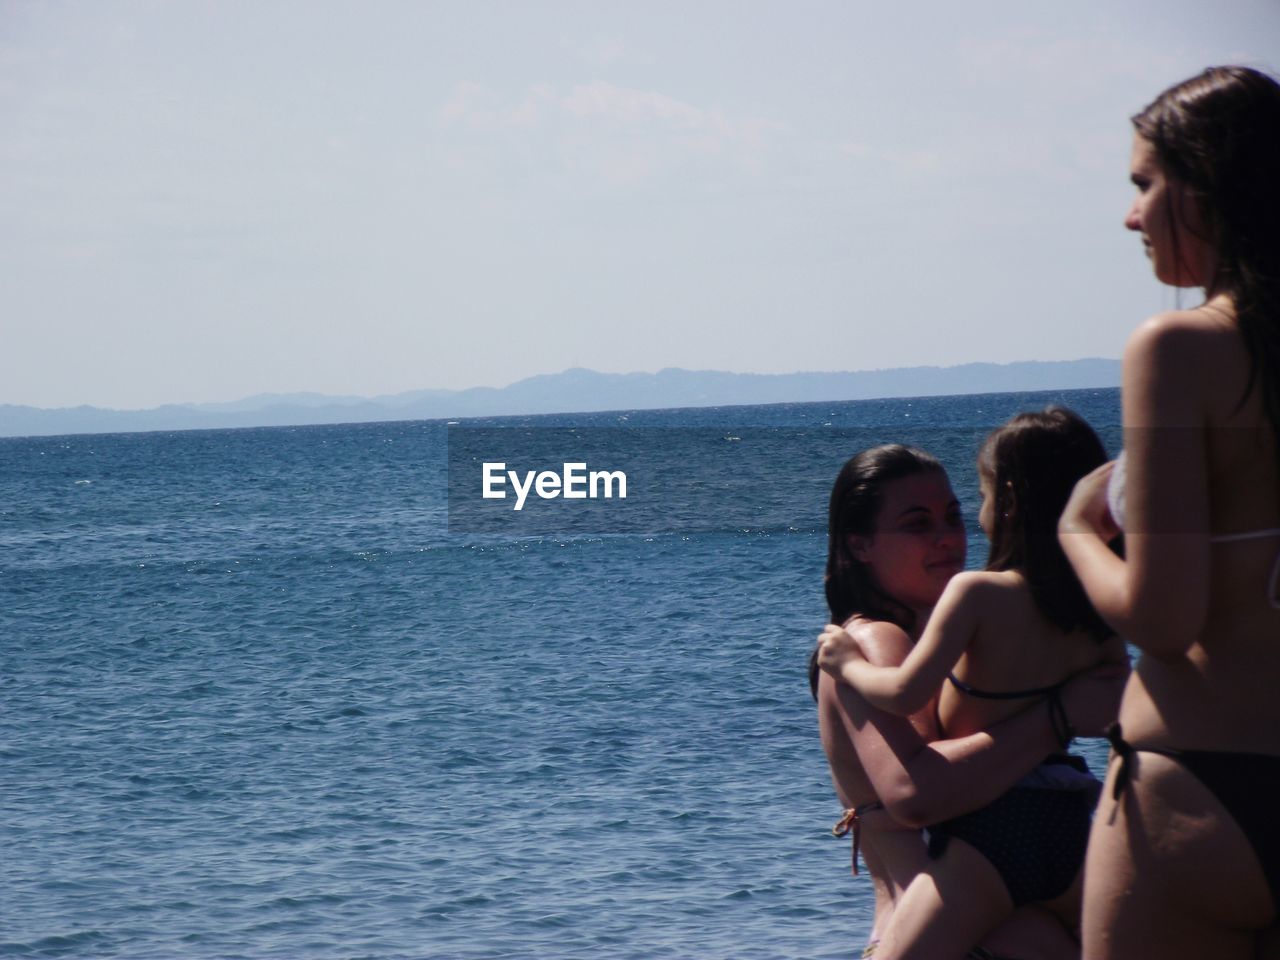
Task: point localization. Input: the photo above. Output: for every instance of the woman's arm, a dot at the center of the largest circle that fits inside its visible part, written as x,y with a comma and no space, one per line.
908,687
921,783
1157,596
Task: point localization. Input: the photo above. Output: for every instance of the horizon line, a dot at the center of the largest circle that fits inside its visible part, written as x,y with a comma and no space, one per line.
446,391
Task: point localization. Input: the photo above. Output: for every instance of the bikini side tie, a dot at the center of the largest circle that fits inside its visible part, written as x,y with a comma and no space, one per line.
852,820
1124,750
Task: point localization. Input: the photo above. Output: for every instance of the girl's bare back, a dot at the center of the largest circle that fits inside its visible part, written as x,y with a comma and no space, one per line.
1013,648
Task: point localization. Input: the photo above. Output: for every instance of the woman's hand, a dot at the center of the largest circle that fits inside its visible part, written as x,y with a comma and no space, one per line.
1087,510
836,647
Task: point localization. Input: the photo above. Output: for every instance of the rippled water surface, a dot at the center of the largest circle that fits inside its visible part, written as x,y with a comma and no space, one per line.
256,700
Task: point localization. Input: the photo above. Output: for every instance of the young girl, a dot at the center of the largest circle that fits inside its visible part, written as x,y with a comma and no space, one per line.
1013,634
1184,858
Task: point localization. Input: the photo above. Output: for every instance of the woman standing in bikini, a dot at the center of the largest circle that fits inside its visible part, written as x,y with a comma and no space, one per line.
1184,856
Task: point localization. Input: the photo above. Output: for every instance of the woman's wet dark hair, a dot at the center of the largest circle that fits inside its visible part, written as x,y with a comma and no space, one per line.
1218,133
1032,464
855,504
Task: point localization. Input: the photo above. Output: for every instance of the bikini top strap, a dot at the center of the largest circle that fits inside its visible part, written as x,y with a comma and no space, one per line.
1246,535
1275,566
1002,694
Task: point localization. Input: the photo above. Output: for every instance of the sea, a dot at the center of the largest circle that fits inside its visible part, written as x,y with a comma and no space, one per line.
307,692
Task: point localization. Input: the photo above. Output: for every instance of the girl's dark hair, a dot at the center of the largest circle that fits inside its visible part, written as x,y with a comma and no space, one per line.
1032,464
855,504
1219,135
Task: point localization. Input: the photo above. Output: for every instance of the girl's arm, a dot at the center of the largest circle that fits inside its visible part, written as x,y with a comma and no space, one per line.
1157,596
904,689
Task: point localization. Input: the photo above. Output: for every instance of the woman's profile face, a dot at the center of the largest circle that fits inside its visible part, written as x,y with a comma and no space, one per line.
1166,217
918,543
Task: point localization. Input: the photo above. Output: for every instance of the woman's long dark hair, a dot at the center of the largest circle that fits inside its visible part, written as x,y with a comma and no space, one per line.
1032,464
855,504
1219,135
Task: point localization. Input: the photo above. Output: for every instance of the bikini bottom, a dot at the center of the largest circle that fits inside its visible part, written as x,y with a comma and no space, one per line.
1246,784
1034,834
852,821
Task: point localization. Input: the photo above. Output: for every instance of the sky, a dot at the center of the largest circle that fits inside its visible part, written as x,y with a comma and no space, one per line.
202,201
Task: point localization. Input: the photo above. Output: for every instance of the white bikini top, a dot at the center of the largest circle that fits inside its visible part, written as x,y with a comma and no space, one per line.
1115,503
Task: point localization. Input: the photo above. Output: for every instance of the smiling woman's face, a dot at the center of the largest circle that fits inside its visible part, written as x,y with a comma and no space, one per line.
1166,217
919,539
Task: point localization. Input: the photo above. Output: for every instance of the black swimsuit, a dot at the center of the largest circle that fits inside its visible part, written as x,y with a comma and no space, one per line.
1035,833
1246,784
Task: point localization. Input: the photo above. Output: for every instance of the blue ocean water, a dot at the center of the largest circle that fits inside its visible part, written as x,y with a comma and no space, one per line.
258,698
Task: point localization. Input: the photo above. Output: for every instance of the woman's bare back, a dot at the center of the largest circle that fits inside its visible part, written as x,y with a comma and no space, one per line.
1232,663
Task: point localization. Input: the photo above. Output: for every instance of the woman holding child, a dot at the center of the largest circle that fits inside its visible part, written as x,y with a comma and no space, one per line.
1019,631
896,541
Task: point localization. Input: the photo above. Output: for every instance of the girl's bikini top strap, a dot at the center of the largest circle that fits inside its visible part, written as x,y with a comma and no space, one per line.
1002,694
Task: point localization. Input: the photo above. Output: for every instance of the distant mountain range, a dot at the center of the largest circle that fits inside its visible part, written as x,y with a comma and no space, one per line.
573,391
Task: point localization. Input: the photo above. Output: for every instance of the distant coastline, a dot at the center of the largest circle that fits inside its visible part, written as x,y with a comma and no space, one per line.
574,391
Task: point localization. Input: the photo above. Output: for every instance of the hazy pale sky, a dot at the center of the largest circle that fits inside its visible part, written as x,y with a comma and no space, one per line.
206,199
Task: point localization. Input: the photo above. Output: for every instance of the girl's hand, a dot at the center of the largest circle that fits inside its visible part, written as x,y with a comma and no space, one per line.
1087,511
836,647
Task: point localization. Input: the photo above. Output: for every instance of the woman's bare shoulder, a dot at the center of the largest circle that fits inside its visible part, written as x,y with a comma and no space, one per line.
882,643
1183,333
1178,349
